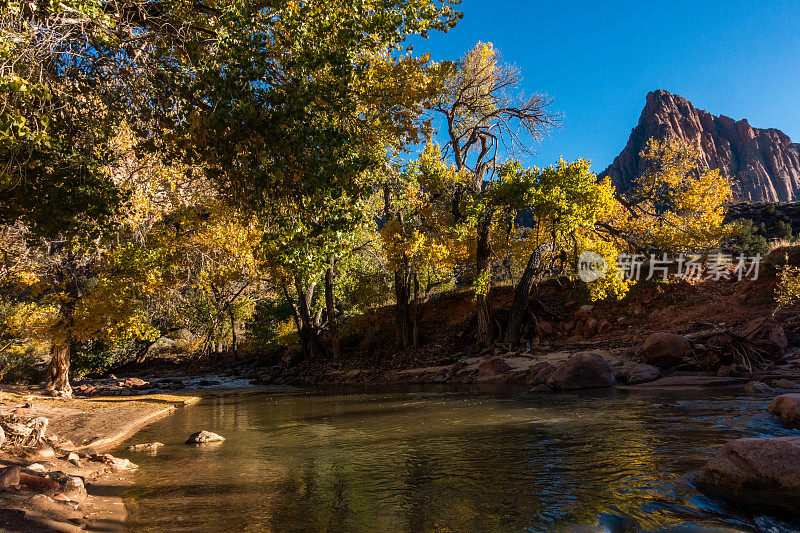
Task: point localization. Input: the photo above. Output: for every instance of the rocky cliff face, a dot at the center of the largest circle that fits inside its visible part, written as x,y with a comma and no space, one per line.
763,163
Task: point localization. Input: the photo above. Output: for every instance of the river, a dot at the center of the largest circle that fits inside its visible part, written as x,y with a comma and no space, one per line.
445,459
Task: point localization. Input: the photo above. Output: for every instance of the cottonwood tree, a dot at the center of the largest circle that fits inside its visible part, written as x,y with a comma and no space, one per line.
562,205
420,239
290,107
64,69
674,206
486,118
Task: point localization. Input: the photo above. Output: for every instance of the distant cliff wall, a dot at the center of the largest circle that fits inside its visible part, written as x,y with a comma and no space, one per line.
763,163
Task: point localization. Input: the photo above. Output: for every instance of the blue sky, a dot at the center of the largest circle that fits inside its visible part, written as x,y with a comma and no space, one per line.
598,60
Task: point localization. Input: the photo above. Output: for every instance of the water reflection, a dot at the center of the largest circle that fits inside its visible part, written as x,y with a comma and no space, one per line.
437,460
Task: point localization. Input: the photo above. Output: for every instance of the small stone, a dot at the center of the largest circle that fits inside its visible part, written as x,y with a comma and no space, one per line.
643,374
42,500
583,312
590,327
538,373
202,437
75,489
74,459
150,447
603,326
37,467
754,387
117,464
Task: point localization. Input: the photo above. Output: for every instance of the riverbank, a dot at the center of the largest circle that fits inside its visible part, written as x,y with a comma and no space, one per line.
77,433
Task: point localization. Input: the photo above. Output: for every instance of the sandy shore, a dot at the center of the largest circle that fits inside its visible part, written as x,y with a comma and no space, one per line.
86,427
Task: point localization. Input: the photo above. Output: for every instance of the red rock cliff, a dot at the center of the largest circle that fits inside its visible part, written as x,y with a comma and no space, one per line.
764,163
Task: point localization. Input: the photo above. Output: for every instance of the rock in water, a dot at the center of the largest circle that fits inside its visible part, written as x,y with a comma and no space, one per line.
665,350
150,447
761,473
786,406
786,384
583,370
754,387
643,374
202,437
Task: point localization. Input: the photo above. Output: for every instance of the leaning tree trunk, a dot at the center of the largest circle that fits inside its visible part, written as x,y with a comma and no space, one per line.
520,305
486,333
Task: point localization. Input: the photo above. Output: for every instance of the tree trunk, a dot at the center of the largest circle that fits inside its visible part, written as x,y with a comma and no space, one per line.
310,345
59,368
330,309
401,308
486,333
58,371
416,313
520,305
234,348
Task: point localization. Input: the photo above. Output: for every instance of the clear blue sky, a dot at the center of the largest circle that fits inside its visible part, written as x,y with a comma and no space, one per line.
598,60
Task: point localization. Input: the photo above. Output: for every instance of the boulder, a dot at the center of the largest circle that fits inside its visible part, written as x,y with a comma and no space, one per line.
135,383
665,350
760,473
754,387
583,370
642,373
766,329
786,384
786,406
493,366
539,373
201,437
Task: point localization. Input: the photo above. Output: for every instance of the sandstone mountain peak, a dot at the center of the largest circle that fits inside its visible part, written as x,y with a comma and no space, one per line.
763,163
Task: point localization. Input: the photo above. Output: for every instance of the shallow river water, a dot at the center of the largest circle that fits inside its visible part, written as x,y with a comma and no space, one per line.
445,459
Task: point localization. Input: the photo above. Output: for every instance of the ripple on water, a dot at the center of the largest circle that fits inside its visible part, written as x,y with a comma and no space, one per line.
418,460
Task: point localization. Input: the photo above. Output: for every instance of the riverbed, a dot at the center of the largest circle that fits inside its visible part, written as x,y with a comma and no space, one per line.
445,459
